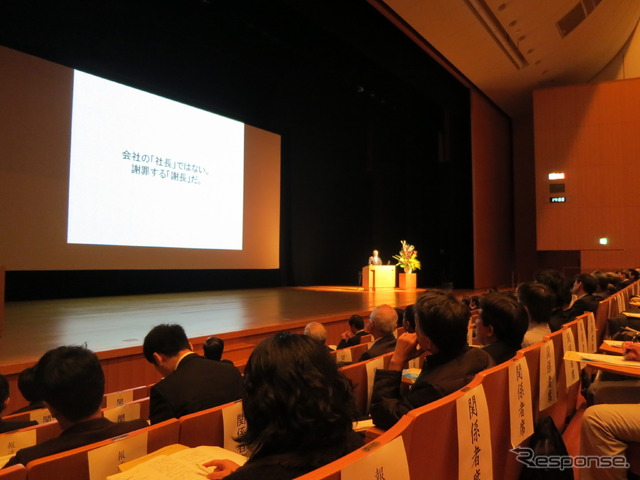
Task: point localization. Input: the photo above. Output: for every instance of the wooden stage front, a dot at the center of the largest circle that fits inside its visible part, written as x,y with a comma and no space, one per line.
115,323
114,327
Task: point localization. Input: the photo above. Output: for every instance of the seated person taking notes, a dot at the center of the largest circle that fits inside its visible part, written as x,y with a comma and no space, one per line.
191,383
299,411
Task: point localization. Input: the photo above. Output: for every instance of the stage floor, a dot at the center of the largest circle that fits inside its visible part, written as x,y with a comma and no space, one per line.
110,323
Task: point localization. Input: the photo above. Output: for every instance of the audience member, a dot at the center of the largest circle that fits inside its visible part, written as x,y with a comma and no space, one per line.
602,285
191,383
441,330
501,326
561,313
7,425
213,348
607,429
539,301
614,282
318,332
29,390
381,325
409,319
625,279
72,384
583,287
299,411
351,337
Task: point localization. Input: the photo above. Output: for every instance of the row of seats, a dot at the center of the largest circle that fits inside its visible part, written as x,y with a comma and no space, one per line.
201,428
430,433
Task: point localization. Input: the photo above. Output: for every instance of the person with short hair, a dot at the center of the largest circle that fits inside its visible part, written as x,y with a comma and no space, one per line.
318,332
71,381
441,330
501,325
374,259
584,288
191,383
383,321
213,347
409,319
299,410
539,301
351,337
9,425
29,390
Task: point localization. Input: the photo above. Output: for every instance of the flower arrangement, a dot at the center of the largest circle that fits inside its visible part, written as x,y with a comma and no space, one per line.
408,257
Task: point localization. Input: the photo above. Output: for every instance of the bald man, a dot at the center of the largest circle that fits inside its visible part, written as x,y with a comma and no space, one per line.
381,325
317,331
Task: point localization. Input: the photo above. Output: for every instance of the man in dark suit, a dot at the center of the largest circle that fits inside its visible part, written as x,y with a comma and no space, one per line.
381,325
71,382
375,259
584,286
441,330
191,383
351,337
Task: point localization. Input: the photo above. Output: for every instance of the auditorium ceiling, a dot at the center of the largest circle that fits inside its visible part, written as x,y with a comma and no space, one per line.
508,48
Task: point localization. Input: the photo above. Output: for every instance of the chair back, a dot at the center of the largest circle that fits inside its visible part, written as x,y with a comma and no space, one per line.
203,428
74,464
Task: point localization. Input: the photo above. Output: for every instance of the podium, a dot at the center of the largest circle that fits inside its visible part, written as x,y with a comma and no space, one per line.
376,277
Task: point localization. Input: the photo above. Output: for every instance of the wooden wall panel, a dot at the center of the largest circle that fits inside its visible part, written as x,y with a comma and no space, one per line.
589,132
492,194
2,286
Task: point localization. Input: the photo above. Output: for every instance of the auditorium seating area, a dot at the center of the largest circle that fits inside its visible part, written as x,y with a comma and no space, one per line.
429,433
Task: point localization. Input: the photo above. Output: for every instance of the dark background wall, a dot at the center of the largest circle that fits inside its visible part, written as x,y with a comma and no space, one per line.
375,134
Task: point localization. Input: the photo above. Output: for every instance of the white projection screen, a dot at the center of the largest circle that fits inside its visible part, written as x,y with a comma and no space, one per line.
98,175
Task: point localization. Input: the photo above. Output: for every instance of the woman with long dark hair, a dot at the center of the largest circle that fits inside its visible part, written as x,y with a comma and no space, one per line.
299,411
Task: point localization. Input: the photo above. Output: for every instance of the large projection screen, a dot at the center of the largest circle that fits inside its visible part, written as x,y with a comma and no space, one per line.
180,207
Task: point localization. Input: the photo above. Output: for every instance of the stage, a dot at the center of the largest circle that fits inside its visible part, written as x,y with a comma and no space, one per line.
119,324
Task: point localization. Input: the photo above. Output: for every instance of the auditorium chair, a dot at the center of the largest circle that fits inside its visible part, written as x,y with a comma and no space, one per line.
113,399
203,428
16,472
74,464
332,470
495,382
357,375
121,413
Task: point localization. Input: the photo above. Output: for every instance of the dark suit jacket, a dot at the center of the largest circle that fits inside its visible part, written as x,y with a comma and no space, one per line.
76,436
500,351
10,426
440,376
197,384
353,341
381,346
586,303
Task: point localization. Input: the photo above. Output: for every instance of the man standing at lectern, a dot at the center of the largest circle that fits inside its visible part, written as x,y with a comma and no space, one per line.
375,259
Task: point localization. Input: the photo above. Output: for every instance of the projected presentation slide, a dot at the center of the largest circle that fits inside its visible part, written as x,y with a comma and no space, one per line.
152,172
96,175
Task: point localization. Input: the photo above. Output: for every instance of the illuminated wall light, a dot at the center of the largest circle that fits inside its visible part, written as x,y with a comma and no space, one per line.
604,241
556,176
